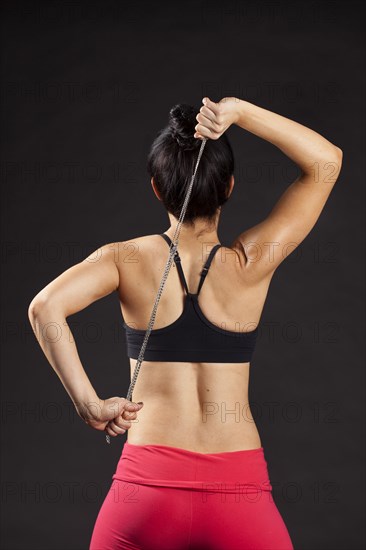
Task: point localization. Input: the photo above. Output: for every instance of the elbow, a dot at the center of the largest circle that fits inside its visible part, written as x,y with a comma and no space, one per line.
333,154
35,308
45,308
333,163
339,155
338,161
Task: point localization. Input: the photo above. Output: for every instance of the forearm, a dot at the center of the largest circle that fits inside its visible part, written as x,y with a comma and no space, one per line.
56,340
301,144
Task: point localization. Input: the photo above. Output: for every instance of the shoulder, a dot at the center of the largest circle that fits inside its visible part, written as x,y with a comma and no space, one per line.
129,250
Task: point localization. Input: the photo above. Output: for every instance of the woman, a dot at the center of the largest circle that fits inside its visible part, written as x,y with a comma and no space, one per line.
192,474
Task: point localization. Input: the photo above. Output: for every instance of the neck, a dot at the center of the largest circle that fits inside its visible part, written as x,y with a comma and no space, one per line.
201,231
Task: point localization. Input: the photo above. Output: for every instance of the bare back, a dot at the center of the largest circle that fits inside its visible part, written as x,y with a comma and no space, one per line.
208,401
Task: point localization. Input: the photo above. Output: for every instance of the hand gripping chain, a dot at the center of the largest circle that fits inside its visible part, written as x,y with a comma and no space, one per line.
172,251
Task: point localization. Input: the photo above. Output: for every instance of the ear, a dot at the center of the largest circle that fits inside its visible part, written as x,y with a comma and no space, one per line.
231,185
154,189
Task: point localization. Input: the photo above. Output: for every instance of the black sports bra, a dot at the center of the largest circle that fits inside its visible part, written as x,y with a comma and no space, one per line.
192,337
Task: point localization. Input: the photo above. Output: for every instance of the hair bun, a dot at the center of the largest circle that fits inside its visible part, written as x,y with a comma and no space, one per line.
182,122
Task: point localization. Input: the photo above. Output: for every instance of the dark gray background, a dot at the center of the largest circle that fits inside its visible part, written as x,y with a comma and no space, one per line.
85,87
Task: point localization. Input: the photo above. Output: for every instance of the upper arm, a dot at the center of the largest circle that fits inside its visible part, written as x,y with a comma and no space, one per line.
268,243
82,284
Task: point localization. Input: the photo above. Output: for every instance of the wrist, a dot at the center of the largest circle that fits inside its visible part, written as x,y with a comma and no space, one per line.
89,406
237,110
90,410
231,109
242,112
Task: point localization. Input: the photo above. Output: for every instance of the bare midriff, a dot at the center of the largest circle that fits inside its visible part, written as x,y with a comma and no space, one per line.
200,407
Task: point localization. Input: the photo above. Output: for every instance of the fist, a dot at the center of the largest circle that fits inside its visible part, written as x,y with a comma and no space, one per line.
215,118
113,415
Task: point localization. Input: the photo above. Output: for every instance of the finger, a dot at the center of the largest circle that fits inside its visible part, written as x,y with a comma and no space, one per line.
202,119
198,136
210,105
129,415
208,113
110,431
205,132
118,429
130,406
122,422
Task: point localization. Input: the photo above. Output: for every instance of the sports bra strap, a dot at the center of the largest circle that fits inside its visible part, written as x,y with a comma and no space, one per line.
180,269
207,266
177,262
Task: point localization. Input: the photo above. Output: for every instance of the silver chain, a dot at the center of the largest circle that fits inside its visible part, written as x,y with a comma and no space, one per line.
172,251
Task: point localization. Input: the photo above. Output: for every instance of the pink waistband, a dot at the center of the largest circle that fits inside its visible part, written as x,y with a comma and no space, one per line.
160,465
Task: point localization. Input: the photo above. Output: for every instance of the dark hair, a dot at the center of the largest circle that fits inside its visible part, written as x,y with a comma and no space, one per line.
172,159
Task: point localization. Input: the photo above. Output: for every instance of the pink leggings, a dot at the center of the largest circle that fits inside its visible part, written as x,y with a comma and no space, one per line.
167,498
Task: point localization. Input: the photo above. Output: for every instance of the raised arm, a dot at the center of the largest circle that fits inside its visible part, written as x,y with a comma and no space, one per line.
79,286
268,243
